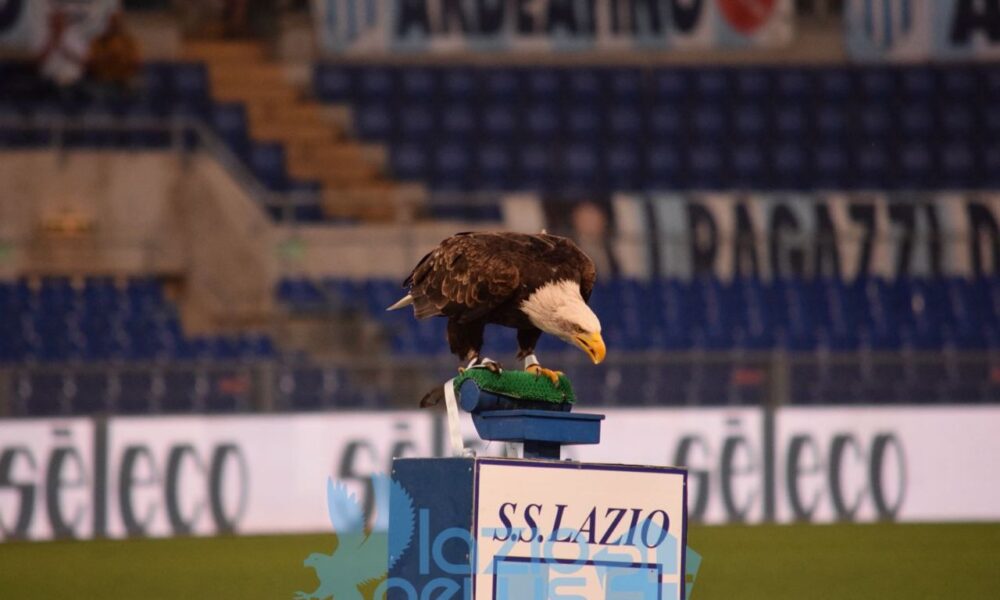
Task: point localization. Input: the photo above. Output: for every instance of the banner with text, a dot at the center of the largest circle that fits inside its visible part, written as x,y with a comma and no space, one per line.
167,476
345,26
779,235
916,30
28,27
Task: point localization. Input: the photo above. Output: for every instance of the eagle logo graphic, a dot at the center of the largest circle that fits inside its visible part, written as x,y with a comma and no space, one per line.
356,565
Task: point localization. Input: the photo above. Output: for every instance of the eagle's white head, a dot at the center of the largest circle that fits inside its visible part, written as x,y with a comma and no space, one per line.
559,309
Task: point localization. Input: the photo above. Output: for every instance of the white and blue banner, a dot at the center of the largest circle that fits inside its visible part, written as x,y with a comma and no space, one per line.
920,30
767,235
23,25
26,28
345,26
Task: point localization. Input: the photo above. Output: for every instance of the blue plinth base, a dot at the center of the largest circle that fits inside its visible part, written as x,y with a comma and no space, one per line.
513,529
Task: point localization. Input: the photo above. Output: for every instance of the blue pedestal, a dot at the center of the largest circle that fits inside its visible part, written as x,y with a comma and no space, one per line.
543,432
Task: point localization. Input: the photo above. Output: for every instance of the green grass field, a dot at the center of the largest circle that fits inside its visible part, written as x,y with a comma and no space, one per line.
745,563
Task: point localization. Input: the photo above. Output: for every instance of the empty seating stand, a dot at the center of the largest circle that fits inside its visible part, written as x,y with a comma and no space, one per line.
870,340
145,118
105,346
759,128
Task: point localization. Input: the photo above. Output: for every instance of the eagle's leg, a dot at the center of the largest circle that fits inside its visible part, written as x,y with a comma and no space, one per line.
466,341
482,362
526,341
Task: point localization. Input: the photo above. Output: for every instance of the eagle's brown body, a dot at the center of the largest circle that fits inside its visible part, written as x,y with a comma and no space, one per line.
475,279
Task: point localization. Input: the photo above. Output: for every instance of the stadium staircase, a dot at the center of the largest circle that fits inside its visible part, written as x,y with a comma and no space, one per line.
349,174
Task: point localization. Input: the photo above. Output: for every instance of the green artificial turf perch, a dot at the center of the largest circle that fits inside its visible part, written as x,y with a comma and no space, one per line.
520,385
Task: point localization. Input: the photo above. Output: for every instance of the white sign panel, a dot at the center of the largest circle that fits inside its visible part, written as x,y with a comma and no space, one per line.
164,476
47,474
547,530
722,448
169,476
898,463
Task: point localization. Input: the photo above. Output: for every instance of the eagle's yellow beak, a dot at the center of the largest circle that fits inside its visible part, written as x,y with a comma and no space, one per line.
592,344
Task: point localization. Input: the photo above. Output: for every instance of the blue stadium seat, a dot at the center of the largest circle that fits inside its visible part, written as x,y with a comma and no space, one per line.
750,120
832,121
535,165
918,83
749,168
586,86
502,85
791,121
583,123
582,168
916,120
496,166
418,84
957,165
335,83
415,122
624,121
541,122
835,84
545,84
793,84
230,121
873,165
753,84
375,121
191,89
453,167
709,121
712,85
960,83
878,84
625,85
459,85
706,163
790,166
670,85
624,166
458,121
410,160
376,84
268,162
917,167
499,121
664,167
876,120
666,123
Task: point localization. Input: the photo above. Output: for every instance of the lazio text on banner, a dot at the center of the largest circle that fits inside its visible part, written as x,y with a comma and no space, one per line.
914,30
344,26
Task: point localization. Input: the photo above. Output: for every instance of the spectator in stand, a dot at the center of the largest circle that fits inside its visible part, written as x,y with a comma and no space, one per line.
113,62
62,58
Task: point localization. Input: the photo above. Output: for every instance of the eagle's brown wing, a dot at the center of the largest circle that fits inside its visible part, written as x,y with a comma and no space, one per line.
467,276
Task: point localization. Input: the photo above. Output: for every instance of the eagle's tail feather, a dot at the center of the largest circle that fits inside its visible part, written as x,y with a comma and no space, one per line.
404,301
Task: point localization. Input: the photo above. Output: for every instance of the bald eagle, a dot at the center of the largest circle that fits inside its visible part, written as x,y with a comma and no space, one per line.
532,283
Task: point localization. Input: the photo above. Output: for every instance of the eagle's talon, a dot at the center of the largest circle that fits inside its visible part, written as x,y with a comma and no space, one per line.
493,367
539,371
